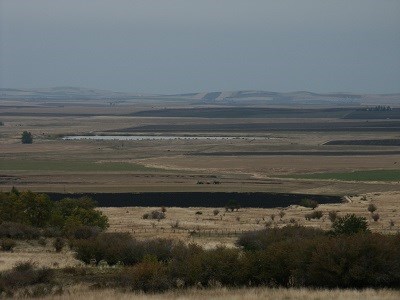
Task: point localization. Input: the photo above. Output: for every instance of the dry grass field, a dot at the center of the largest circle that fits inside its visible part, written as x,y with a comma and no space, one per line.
212,230
235,294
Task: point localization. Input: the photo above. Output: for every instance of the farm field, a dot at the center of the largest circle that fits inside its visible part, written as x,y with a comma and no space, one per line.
262,164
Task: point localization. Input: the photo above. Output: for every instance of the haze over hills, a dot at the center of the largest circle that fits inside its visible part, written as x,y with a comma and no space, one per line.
233,97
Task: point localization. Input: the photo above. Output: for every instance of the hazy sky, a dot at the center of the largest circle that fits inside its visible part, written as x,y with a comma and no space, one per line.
174,46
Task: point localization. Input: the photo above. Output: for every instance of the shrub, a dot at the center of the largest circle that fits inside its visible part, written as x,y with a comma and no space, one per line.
350,224
175,224
7,244
332,215
155,215
314,215
18,231
309,203
23,275
163,209
194,265
272,217
111,247
371,208
86,232
261,239
147,276
26,138
215,212
375,217
121,247
59,244
361,260
282,214
42,242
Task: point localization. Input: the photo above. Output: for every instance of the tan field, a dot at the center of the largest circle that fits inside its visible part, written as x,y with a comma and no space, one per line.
236,294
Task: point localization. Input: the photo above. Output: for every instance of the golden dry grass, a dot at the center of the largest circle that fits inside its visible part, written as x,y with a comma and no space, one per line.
42,256
216,230
234,294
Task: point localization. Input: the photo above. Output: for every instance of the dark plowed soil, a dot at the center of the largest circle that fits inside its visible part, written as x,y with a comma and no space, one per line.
383,142
198,199
355,126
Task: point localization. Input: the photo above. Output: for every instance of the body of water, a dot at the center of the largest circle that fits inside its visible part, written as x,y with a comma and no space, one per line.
159,137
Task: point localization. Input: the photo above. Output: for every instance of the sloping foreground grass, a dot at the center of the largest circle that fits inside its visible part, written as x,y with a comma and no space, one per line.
77,166
370,175
235,294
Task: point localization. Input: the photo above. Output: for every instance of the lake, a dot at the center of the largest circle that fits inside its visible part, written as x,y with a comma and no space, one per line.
159,137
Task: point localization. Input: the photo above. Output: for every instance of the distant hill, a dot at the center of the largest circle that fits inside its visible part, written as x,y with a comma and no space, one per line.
234,97
60,93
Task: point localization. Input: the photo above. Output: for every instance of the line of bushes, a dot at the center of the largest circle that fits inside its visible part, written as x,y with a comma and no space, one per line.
291,256
27,280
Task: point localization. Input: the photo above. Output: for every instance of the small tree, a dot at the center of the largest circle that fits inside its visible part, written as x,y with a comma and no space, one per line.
372,208
350,224
26,138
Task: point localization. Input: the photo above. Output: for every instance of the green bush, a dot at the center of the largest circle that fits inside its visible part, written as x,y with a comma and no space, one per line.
37,210
350,224
26,137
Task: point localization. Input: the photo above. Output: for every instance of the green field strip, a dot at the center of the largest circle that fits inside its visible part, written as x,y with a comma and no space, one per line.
370,175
